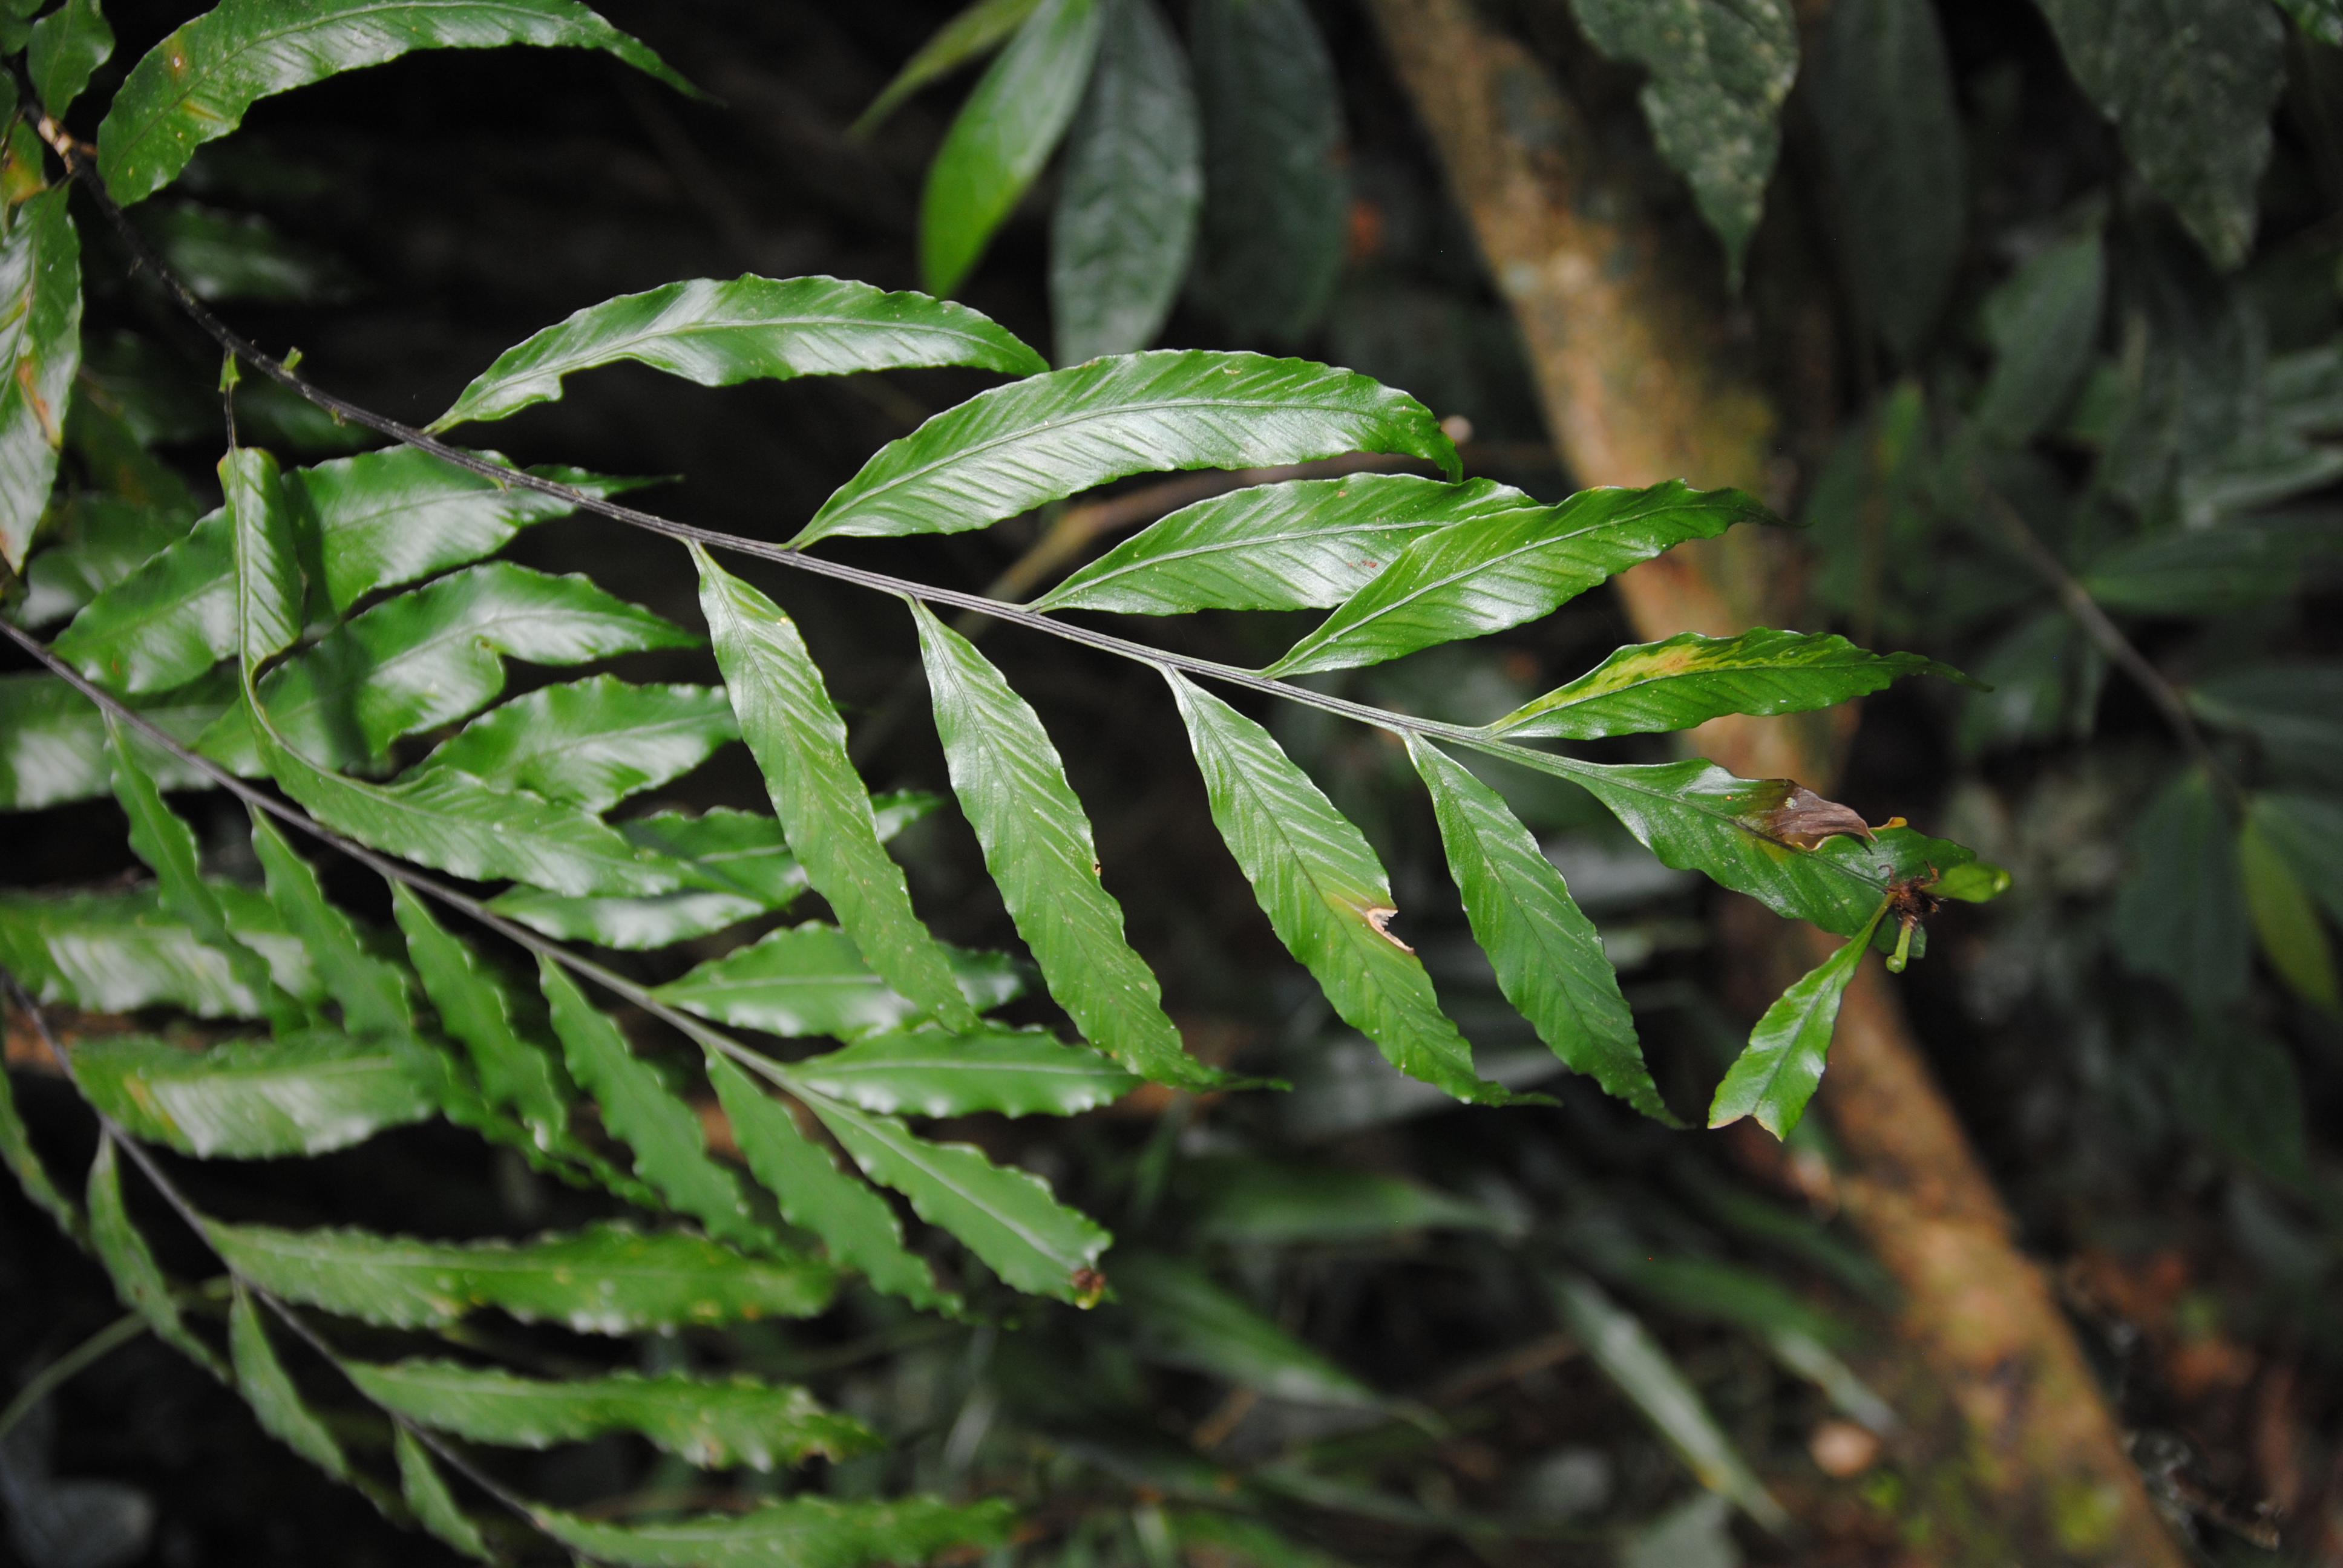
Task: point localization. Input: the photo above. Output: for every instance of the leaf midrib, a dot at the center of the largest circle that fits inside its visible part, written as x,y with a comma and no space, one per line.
909,1149
961,452
1334,628
1767,666
1252,541
590,358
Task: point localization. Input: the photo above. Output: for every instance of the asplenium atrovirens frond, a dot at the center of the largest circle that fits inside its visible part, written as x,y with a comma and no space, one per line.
323,618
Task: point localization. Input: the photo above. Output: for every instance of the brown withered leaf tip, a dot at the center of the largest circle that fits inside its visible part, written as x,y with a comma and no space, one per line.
1381,920
1805,820
1088,1286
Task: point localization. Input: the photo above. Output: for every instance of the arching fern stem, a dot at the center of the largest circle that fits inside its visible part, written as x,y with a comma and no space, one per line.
242,347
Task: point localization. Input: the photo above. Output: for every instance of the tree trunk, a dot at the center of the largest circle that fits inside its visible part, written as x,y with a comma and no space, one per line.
1643,380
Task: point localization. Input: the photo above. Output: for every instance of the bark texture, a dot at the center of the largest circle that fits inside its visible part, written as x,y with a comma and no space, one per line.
1643,378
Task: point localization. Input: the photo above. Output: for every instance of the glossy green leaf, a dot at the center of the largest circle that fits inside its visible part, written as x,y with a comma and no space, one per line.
167,845
53,744
268,1389
973,34
89,542
195,84
1012,785
1882,99
1776,1075
251,1099
447,820
1129,194
805,1531
739,855
1185,1320
1617,1342
428,1498
1004,1215
1497,571
1695,816
1276,198
2043,323
384,518
2285,919
459,824
114,953
1002,135
1324,893
1689,679
138,1279
370,990
67,45
638,1105
742,863
800,743
164,624
1305,544
811,980
605,1280
1720,70
2294,711
928,1072
857,1228
715,1425
2190,92
475,1008
751,328
1259,1202
590,743
24,1162
1547,954
264,558
431,656
2180,911
40,341
1010,449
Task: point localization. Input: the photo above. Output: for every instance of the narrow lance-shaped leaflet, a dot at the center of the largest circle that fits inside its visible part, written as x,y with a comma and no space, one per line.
720,333
670,1147
1004,1215
1002,135
857,1228
446,820
1547,954
800,743
1776,1075
1010,783
195,84
1007,451
167,845
1487,573
1324,893
1688,679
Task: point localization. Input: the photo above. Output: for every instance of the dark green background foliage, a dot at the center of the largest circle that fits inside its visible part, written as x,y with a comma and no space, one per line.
1118,1204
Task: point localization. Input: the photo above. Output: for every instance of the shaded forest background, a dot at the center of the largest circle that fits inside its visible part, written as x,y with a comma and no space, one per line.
421,217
